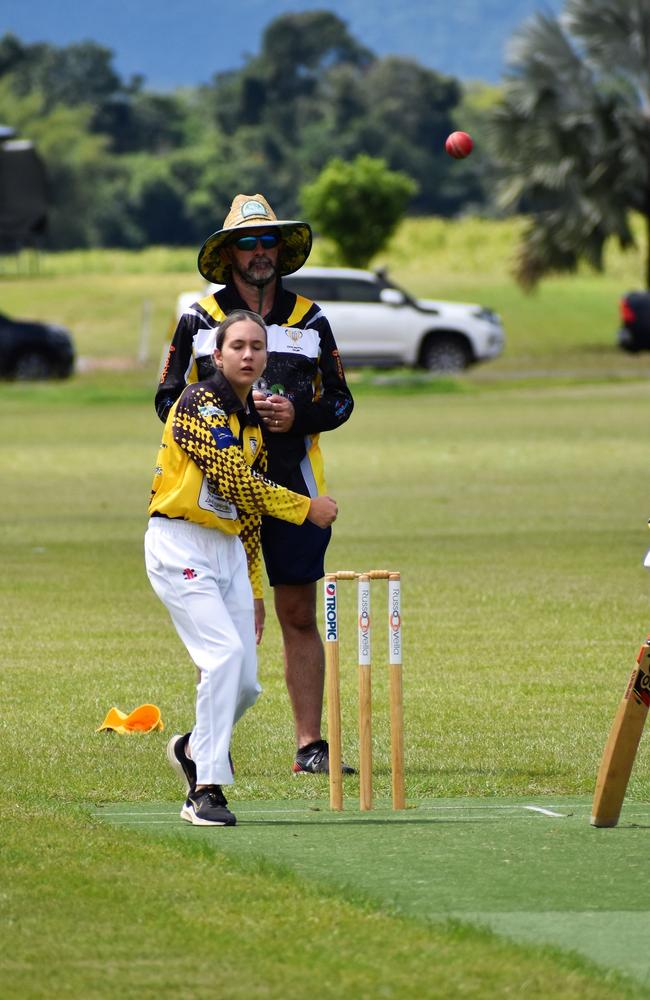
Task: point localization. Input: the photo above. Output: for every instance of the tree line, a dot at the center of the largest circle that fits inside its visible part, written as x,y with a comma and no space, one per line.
130,167
564,140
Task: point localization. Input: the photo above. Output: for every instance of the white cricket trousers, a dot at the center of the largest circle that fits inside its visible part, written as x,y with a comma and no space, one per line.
201,576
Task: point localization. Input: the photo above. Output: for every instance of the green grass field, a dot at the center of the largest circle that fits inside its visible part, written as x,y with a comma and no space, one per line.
515,506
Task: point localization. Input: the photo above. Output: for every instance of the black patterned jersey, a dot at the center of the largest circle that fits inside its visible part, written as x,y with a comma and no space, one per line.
303,365
210,469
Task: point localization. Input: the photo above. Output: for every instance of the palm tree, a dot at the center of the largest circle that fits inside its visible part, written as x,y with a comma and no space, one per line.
572,134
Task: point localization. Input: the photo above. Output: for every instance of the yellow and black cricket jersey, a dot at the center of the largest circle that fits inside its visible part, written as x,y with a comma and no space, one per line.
303,365
210,469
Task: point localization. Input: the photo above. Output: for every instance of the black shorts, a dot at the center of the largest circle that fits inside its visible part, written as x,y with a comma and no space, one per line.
294,553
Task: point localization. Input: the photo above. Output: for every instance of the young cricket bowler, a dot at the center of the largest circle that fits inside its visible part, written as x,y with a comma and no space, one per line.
202,551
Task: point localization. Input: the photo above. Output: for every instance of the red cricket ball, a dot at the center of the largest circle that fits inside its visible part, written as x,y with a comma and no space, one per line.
459,145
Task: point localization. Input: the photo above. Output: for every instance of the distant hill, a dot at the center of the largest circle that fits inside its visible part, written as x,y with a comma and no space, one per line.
182,43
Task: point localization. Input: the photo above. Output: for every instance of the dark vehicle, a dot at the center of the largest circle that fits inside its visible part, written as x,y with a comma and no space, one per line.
30,350
634,332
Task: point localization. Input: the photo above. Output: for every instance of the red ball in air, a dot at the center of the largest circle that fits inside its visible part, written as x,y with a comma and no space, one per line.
459,145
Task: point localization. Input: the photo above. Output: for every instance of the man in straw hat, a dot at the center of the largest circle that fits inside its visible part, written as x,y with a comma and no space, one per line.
302,393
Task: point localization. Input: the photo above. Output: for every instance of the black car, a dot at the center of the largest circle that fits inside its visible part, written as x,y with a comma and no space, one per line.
634,332
32,350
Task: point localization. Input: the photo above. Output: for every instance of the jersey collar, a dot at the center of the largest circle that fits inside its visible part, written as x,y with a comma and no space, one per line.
229,299
231,401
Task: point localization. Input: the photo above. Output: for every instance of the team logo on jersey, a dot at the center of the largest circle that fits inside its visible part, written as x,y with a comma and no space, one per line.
294,335
253,445
189,574
211,411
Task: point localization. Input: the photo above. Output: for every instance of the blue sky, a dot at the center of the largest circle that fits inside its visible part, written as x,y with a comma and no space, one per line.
178,43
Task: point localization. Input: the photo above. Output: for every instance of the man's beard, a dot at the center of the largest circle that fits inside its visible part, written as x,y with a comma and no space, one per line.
259,272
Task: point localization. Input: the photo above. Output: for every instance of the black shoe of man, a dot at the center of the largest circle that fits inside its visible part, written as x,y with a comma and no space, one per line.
314,758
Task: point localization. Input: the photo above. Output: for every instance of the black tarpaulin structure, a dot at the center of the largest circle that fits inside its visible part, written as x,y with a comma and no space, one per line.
23,193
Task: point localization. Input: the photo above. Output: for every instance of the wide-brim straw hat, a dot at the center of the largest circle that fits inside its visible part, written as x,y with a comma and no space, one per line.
254,211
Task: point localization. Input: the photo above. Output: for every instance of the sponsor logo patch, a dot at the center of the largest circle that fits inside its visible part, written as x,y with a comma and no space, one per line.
189,574
163,374
210,500
211,410
331,617
339,366
223,437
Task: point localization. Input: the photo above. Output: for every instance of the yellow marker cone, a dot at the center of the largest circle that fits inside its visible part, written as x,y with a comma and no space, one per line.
143,719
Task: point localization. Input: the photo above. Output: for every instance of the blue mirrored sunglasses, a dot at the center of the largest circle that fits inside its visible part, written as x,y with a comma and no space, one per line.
266,240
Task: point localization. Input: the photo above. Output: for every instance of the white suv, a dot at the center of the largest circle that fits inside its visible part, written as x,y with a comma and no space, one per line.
377,323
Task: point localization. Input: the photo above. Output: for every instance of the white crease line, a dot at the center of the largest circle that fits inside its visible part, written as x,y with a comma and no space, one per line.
244,810
546,812
487,807
246,807
397,814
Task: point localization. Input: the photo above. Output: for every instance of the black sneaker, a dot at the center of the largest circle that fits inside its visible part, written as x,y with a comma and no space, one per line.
207,808
314,758
183,765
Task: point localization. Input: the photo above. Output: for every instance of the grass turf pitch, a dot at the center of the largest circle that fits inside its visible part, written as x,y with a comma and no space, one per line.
517,517
531,869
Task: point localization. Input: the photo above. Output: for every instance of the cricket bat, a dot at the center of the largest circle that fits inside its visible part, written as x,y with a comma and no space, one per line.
622,744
